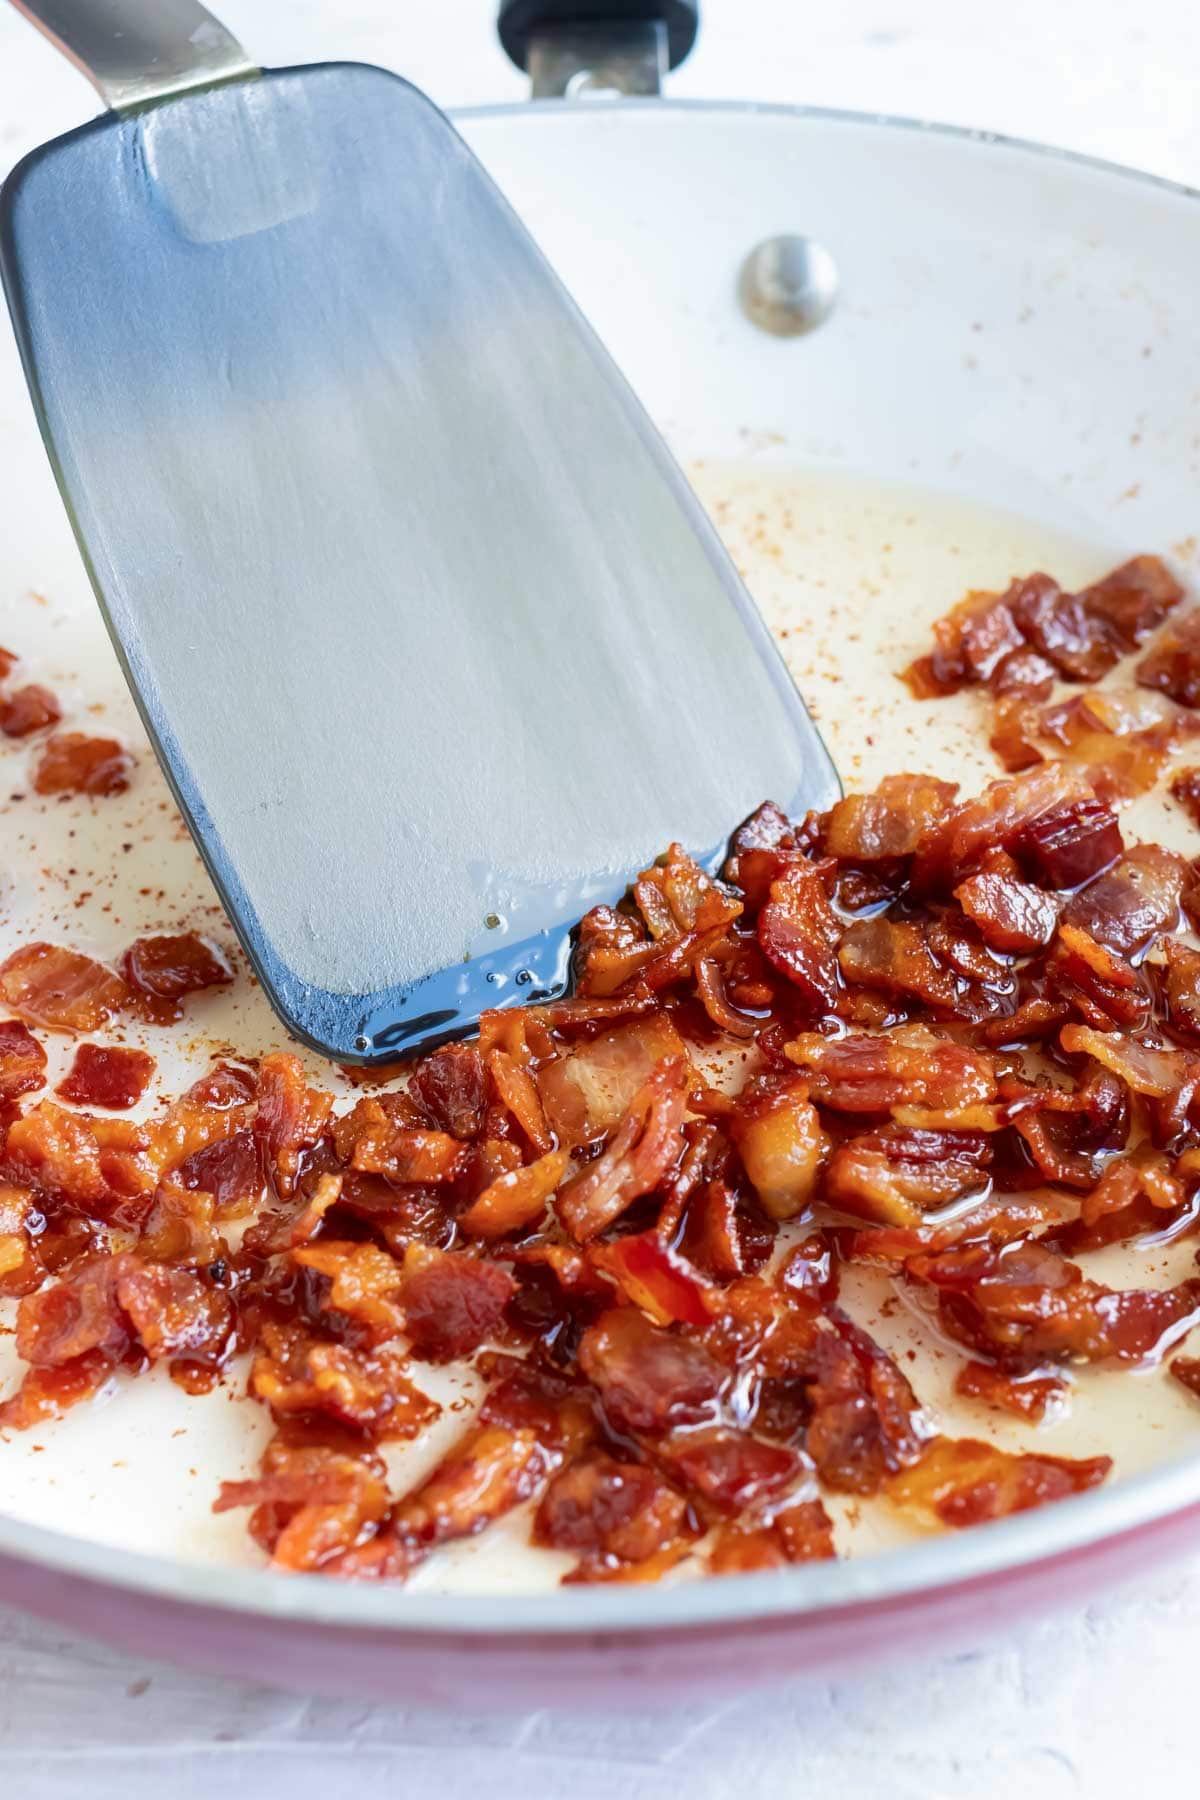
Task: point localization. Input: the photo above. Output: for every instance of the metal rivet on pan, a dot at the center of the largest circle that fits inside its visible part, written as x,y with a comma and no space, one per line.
788,285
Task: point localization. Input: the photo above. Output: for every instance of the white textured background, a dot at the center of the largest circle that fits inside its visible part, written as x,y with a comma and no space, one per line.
1095,1704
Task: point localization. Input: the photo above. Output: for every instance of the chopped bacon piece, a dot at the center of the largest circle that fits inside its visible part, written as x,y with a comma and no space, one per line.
1070,844
1186,1370
451,1085
1026,1396
732,1469
895,956
1023,674
364,1281
73,763
888,823
112,1078
60,989
1041,801
642,1152
519,1095
22,1061
866,1424
895,1176
46,1392
778,1135
162,970
861,1074
1133,600
406,1153
452,1303
180,1227
494,1467
1010,915
586,1092
798,931
996,1220
516,1199
798,1534
1016,726
962,1481
610,1512
59,1152
313,1501
1173,665
1181,987
8,662
174,1313
295,1372
649,1380
291,1116
28,709
231,1170
78,1314
1136,900
1062,627
1024,1305
656,1278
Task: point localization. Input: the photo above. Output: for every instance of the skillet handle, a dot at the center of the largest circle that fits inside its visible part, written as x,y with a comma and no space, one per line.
135,52
609,24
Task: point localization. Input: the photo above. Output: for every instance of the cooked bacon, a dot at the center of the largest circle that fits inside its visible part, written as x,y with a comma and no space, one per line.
1173,665
779,1138
1024,674
313,1501
1070,844
112,1078
657,1278
797,1534
1021,816
518,1094
1025,1396
1181,988
452,1303
1016,727
73,763
889,823
649,1380
231,1170
180,1227
799,933
962,1481
995,1220
731,1469
610,1512
295,1372
895,956
28,709
1023,1305
895,1176
1096,982
22,1061
161,971
451,1085
60,989
516,1199
1134,599
1010,915
46,1392
860,1074
586,1092
642,1152
364,1281
174,1313
1136,900
58,1151
291,1116
1186,1370
866,1423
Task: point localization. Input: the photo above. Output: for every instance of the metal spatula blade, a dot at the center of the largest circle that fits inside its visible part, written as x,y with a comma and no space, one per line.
433,641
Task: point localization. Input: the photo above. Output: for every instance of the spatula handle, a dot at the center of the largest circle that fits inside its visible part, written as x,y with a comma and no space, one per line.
139,51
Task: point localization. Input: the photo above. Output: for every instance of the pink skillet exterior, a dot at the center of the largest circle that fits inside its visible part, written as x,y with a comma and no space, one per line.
636,1669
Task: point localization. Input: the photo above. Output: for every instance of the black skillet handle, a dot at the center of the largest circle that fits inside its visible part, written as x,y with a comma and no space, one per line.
519,18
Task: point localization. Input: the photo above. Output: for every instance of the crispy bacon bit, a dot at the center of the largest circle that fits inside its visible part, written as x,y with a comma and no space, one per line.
1026,1396
610,1512
451,1084
587,1092
888,824
515,1200
962,1481
163,970
73,1316
649,1380
452,1303
22,1061
1173,665
28,709
1010,915
732,1469
73,763
799,933
313,1502
895,1176
175,1313
60,989
112,1078
519,1096
1017,816
641,1153
1070,844
291,1116
866,1424
861,1074
1186,1370
798,1534
45,1393
1133,600
1136,900
1016,726
295,1372
656,1278
778,1135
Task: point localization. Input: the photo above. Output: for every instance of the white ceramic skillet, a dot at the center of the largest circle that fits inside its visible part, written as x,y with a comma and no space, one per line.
1010,327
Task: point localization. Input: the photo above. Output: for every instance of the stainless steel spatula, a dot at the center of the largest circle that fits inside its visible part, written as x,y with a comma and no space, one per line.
433,641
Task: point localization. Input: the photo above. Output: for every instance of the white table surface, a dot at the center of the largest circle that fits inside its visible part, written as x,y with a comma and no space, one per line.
1095,1703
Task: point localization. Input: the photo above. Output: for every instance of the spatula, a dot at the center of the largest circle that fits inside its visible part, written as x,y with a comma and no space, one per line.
434,643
